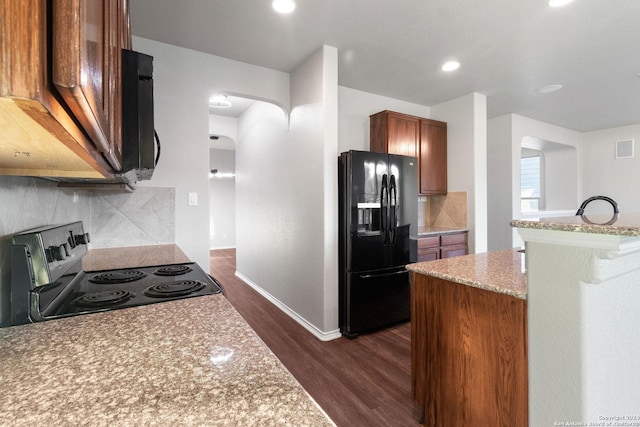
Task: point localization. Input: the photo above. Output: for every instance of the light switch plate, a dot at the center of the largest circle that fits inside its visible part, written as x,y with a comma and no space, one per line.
193,199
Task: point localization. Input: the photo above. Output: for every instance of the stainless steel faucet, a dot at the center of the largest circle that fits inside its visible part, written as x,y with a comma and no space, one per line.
591,199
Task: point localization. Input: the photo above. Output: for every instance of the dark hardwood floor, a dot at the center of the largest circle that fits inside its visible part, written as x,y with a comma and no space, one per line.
359,382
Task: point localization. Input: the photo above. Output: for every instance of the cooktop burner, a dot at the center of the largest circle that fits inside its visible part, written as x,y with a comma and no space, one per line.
88,292
173,270
121,276
103,299
174,289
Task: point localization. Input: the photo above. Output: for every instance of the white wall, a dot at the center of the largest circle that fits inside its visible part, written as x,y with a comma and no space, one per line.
506,134
286,197
466,119
223,126
355,107
183,82
608,176
500,175
222,200
561,178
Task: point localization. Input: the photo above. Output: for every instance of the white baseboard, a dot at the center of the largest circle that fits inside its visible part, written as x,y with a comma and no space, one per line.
322,336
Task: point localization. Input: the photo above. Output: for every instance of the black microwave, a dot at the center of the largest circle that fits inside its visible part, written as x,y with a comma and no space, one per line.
140,142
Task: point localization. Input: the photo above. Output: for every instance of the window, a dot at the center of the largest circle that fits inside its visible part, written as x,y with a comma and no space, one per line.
530,184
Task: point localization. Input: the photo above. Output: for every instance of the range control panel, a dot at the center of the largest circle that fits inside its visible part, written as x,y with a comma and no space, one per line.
53,249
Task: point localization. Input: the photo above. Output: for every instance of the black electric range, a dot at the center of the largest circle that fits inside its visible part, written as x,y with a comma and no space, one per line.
47,281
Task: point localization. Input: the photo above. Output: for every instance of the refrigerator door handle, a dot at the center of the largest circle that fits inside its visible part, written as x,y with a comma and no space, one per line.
393,206
395,273
384,206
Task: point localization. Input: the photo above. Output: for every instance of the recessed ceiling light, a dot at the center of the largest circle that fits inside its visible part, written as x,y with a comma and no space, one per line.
219,101
450,66
549,88
558,3
283,6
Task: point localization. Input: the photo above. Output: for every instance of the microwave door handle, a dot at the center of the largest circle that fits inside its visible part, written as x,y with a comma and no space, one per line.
155,134
384,203
393,206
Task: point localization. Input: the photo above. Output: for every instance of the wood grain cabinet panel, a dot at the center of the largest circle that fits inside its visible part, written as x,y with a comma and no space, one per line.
468,355
86,68
425,139
433,157
394,133
60,93
442,246
428,248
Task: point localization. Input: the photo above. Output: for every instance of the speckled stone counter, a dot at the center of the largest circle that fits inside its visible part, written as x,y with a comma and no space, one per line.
618,225
425,231
192,362
131,257
497,271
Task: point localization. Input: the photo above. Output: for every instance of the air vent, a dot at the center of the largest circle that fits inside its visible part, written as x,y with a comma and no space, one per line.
624,149
214,137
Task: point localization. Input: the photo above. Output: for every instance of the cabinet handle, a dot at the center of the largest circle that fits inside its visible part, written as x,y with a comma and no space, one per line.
155,134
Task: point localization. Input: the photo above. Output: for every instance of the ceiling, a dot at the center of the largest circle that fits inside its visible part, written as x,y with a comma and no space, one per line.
507,49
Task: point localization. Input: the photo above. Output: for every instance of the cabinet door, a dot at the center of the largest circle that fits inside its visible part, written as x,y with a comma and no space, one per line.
433,157
86,42
403,134
453,245
451,251
428,248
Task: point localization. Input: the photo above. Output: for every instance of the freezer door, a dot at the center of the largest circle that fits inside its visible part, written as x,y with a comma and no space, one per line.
373,300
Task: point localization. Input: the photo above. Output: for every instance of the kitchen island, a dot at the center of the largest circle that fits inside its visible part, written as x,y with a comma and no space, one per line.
583,275
193,361
468,340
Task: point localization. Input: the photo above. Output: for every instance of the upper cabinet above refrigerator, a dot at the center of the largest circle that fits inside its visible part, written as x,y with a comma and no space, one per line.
426,139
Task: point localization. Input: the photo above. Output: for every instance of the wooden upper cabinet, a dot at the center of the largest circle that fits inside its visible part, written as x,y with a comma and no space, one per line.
433,157
86,68
60,87
397,133
394,133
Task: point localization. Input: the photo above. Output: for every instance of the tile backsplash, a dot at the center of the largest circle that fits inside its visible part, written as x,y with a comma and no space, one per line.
448,211
144,217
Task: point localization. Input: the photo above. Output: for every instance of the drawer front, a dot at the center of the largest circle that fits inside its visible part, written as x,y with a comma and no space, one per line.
453,250
454,239
428,242
428,254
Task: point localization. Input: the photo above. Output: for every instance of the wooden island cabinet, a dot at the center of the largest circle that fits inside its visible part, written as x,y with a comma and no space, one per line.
425,139
469,341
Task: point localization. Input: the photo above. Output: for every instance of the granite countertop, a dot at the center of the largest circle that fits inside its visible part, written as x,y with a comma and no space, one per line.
134,256
193,361
424,231
618,225
497,271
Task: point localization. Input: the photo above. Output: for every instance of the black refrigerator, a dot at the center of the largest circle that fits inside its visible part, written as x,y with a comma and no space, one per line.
378,211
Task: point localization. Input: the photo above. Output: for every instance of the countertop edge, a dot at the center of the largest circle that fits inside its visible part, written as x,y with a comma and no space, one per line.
494,277
444,231
627,225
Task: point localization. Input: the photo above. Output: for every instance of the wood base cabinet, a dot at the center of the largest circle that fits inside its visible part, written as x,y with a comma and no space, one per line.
468,355
441,246
426,139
